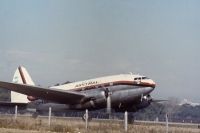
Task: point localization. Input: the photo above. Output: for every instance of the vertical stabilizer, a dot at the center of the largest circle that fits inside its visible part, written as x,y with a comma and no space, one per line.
21,76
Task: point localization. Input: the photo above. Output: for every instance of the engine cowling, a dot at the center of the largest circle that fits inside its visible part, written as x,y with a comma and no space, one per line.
142,103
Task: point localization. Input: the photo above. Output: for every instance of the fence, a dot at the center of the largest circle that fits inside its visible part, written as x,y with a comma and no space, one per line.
88,123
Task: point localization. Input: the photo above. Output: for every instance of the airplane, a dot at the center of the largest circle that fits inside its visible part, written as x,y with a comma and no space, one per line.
123,92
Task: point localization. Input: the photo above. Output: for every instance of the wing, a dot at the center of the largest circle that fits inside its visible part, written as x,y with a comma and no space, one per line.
56,95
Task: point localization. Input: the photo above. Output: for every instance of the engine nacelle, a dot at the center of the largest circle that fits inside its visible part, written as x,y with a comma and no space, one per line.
145,102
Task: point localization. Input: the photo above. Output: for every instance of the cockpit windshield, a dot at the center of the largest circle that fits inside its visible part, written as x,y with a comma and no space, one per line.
140,78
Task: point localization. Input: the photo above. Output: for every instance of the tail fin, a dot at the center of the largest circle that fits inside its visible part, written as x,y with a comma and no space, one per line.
21,76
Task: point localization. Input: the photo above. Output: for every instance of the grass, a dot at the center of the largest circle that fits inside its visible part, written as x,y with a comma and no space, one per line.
40,125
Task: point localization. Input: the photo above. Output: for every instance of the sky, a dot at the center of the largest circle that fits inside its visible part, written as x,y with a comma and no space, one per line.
71,40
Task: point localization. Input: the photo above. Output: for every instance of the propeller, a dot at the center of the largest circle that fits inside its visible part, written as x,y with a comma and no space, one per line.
147,98
152,100
157,100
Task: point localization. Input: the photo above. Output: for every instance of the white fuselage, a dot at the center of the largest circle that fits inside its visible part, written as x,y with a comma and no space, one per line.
125,88
122,79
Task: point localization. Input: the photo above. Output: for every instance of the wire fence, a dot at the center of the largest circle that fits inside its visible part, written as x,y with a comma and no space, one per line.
121,119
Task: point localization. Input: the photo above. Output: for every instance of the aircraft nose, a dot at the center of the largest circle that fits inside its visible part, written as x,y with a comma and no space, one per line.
150,83
147,90
153,84
150,89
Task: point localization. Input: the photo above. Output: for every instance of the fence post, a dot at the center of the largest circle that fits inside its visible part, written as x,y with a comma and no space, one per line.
16,108
86,119
126,121
109,105
167,126
49,116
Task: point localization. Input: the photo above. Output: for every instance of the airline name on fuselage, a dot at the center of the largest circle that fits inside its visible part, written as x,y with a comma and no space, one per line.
84,84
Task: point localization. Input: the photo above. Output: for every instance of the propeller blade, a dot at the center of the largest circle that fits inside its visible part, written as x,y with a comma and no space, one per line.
159,101
151,99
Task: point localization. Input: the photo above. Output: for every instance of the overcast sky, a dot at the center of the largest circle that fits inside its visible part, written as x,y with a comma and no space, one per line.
60,40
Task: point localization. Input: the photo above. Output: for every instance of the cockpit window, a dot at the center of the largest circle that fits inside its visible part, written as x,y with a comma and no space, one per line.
139,78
